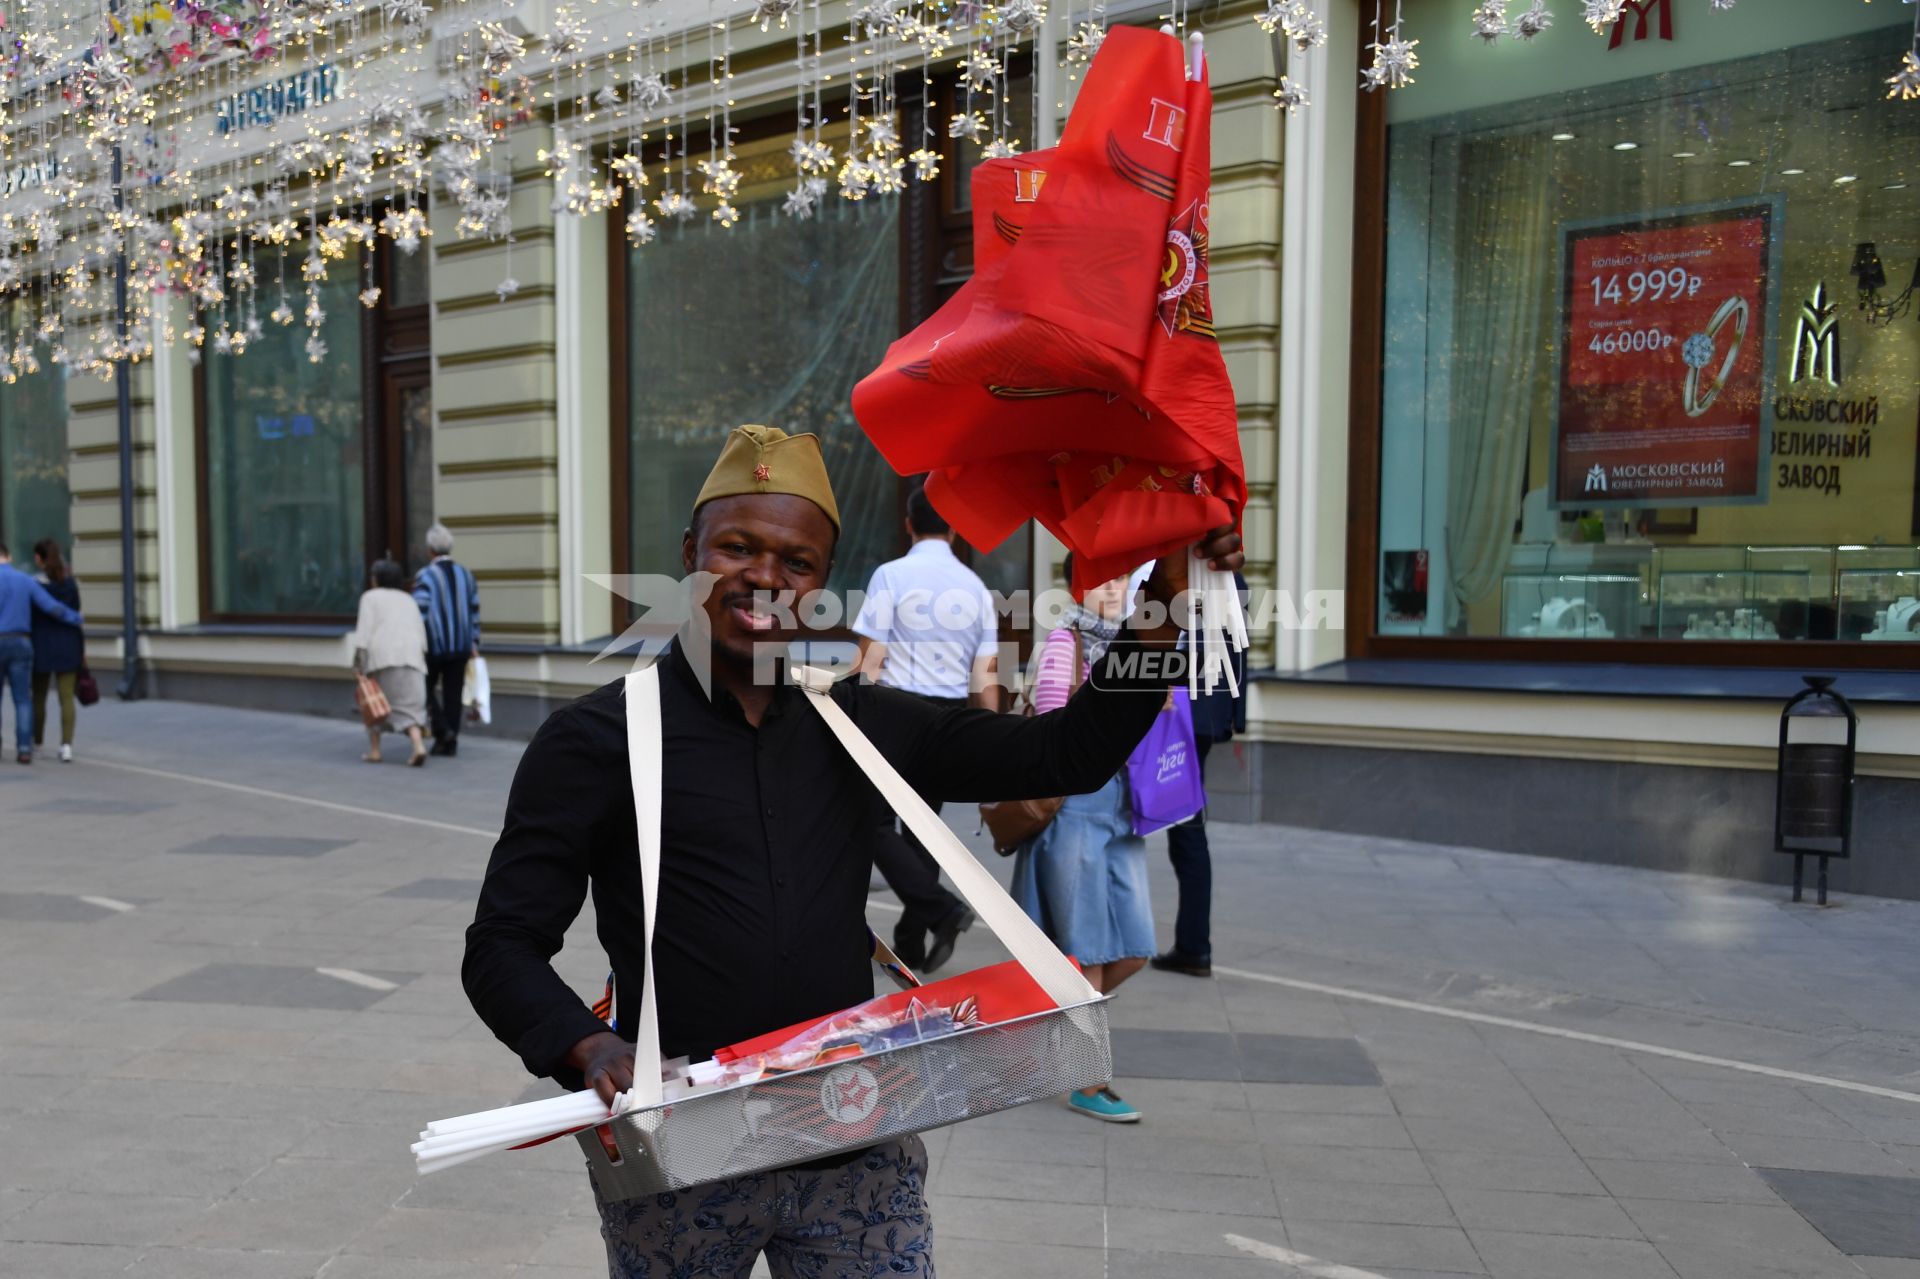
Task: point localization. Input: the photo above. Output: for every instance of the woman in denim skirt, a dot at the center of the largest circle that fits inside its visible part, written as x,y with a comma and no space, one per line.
1084,878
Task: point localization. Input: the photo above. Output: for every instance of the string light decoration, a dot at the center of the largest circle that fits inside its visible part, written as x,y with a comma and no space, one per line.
234,154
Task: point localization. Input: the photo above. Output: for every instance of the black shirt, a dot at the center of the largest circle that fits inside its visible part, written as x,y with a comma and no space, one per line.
765,854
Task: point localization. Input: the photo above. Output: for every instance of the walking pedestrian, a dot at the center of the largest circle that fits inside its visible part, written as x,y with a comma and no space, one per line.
1083,878
1217,716
449,602
390,646
58,647
766,829
927,627
20,598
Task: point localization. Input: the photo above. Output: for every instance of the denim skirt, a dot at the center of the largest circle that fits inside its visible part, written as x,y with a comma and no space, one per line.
1084,879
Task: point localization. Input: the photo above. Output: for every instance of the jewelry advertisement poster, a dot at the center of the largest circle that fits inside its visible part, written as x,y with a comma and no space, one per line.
1666,351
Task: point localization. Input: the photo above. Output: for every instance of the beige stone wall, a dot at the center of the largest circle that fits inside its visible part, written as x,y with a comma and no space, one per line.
495,401
93,478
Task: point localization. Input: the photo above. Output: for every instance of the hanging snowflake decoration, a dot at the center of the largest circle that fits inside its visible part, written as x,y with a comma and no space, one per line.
640,228
1601,14
674,204
223,343
1905,83
979,71
801,201
499,47
1002,148
1490,20
569,34
506,288
1720,6
411,14
882,133
628,169
1084,43
969,125
316,348
281,314
649,91
768,12
1021,17
926,164
726,215
1536,19
485,214
370,297
811,156
719,179
406,228
878,18
1291,96
608,98
1394,62
254,328
1296,20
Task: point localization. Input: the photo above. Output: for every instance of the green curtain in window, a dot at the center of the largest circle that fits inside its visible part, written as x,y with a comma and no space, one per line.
34,499
772,322
285,488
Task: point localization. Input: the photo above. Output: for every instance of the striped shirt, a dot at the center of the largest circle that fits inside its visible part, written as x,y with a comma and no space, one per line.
449,603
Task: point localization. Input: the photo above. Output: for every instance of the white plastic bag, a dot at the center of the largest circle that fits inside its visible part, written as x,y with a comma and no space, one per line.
477,695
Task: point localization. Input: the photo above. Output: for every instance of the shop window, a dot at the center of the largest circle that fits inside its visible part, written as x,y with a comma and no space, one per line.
1628,388
284,466
772,321
34,499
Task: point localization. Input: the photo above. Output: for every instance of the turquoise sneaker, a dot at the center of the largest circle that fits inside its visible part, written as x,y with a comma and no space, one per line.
1104,1105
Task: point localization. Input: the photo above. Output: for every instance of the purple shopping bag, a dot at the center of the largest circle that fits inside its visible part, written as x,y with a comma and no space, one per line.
1163,773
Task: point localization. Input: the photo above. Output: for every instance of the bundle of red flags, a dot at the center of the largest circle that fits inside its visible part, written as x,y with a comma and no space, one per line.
1076,378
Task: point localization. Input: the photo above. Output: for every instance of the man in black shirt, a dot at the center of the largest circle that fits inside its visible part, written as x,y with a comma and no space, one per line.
765,861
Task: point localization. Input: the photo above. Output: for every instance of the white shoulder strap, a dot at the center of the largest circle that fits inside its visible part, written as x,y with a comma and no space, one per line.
643,759
1055,973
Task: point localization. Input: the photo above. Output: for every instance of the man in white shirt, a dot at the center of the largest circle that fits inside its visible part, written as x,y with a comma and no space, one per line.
927,627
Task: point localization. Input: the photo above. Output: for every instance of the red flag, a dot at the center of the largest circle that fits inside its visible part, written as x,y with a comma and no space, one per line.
1076,379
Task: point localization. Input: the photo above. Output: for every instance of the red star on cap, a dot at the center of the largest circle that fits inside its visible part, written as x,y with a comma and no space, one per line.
762,473
853,1094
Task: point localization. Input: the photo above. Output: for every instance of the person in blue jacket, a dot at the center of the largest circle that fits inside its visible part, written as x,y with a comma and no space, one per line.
58,649
20,596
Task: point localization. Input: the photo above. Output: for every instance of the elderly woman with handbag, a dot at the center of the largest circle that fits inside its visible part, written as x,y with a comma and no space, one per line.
1083,878
390,663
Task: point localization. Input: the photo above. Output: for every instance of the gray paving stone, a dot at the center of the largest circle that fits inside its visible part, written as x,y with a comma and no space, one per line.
1865,1215
1382,1202
97,806
1512,1255
1303,1059
1815,1154
443,1234
1040,1260
1191,1192
263,845
449,890
1521,1134
1148,1265
50,908
1168,1054
1289,1162
1548,1173
1544,1214
226,1263
1371,1245
65,1261
1659,1179
1016,1220
268,985
1387,1131
74,1217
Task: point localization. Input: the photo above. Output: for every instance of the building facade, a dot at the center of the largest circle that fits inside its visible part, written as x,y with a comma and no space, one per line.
1548,565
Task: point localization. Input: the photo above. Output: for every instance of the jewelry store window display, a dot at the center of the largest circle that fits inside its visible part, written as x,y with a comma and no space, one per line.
766,857
1648,370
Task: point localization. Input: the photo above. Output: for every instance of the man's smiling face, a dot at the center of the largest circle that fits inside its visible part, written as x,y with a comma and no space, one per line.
767,543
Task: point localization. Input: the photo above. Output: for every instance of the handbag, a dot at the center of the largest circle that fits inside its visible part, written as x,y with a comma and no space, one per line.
1042,1030
85,690
1163,773
1012,822
371,699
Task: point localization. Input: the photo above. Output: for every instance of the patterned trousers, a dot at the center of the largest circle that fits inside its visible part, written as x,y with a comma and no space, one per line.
865,1220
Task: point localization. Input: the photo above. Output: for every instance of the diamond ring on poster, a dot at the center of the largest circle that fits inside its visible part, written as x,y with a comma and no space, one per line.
1665,354
1697,357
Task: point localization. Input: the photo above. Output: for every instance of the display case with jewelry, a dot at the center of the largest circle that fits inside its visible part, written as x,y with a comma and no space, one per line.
1735,605
1569,605
1880,604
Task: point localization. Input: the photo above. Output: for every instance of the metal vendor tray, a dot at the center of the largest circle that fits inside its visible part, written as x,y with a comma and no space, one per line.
849,1105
